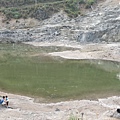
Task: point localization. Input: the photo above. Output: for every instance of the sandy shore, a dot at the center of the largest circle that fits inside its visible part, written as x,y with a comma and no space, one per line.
24,108
103,51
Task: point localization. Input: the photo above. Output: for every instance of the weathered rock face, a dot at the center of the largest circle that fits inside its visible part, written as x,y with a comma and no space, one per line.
41,14
102,24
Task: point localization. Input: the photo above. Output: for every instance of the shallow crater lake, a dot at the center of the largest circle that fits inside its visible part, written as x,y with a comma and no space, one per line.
28,70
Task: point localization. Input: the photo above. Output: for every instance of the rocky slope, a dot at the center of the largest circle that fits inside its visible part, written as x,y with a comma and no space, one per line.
102,24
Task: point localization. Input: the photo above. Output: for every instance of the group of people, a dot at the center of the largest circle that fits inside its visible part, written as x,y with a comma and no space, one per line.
4,101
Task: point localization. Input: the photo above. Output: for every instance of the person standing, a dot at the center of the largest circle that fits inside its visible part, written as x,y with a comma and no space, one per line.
7,101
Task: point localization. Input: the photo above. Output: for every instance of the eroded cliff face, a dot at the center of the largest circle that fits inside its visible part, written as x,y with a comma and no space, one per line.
102,24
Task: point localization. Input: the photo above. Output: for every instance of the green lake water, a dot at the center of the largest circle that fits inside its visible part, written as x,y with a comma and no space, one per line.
26,70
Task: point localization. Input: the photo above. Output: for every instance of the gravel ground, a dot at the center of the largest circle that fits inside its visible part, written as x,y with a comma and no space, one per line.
24,108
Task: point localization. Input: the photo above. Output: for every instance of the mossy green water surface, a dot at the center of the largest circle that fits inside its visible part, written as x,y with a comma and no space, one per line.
27,70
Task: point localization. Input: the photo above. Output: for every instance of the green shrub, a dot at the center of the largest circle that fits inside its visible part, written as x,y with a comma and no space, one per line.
27,8
81,2
89,3
12,13
72,7
16,15
72,14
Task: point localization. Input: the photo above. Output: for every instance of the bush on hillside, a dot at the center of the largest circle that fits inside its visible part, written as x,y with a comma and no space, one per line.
46,9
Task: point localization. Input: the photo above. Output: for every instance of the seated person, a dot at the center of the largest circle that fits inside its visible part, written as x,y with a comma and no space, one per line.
3,101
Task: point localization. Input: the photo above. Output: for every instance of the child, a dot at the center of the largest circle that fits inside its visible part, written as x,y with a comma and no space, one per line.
3,101
7,101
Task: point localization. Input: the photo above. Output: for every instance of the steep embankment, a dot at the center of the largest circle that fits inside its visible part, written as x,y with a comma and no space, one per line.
101,24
